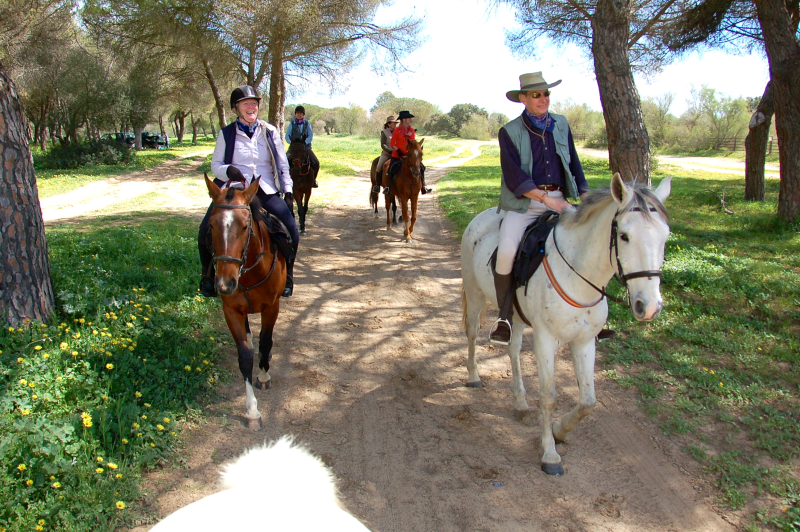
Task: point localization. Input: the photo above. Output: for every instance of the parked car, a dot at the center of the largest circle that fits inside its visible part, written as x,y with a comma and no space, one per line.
123,138
152,141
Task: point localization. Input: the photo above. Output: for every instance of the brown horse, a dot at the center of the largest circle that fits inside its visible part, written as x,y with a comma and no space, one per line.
303,176
406,186
375,178
250,277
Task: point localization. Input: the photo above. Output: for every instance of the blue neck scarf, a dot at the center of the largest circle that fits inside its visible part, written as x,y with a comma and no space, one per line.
248,130
542,122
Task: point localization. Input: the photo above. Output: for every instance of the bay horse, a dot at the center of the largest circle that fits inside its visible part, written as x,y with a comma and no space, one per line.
406,186
303,176
375,180
250,277
614,231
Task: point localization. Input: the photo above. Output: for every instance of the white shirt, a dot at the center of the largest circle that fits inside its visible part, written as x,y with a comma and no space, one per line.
253,158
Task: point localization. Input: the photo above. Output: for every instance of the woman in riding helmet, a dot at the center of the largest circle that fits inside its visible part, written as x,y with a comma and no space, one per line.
400,137
386,147
300,129
247,148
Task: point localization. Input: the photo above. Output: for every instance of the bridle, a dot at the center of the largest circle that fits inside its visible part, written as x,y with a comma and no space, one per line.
243,260
620,275
305,161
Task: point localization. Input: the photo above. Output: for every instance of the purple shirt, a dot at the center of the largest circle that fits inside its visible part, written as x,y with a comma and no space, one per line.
547,166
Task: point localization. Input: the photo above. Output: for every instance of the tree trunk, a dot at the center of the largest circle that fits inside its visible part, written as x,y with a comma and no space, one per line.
219,102
783,52
211,122
194,128
276,90
755,146
161,124
26,289
137,137
628,142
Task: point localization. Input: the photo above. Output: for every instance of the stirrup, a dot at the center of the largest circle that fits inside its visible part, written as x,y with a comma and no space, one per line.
386,191
376,189
497,328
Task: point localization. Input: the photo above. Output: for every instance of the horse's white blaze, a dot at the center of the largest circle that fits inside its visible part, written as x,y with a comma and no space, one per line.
227,221
554,321
416,152
251,403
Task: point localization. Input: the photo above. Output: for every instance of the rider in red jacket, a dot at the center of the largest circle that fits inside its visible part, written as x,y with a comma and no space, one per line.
400,137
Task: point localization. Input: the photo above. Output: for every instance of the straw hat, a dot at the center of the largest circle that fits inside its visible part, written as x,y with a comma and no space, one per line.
530,82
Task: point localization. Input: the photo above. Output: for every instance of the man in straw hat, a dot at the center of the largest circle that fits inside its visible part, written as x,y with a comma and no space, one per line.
540,169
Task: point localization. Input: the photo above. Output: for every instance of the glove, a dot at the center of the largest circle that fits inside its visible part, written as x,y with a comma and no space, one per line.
289,199
234,174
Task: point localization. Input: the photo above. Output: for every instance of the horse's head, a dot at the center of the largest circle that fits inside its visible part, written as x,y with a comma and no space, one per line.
231,226
297,150
414,157
639,234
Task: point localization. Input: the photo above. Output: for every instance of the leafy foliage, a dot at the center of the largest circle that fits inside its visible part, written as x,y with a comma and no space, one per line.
89,153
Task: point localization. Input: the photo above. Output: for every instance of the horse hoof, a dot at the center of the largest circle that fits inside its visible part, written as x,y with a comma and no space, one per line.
477,384
303,232
255,424
262,385
555,470
558,442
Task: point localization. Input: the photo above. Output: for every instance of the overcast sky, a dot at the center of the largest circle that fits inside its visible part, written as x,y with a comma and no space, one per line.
466,60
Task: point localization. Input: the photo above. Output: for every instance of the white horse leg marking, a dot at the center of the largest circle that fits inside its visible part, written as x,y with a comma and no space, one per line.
514,346
263,376
545,349
583,356
251,403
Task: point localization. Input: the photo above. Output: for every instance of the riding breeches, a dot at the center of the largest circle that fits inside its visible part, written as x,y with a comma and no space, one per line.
381,161
512,229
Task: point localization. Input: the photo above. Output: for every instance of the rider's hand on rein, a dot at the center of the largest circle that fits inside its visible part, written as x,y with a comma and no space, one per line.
234,174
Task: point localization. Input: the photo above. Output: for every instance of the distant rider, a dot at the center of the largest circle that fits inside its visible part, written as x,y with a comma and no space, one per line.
300,129
400,137
386,148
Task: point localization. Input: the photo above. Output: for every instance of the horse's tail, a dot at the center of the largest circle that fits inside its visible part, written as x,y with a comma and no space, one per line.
373,174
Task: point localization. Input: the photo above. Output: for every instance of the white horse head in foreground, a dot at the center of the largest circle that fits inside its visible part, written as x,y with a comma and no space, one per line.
279,487
618,231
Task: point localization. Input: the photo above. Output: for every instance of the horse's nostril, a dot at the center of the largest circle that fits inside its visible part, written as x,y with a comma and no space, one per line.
638,307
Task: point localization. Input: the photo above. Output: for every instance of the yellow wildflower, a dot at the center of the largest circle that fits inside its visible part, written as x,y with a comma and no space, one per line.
56,485
109,366
29,482
20,360
124,441
166,420
99,458
187,368
22,467
99,470
37,348
63,345
120,505
135,425
160,427
112,465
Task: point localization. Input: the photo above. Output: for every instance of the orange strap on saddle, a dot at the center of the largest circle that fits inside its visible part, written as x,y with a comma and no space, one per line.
560,291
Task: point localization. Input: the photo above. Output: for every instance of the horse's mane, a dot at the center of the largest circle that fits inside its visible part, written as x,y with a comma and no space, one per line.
598,200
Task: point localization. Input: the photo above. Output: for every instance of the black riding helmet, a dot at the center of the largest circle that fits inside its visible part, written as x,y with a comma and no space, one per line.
243,92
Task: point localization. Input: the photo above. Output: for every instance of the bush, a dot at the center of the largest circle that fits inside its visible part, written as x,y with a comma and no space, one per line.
85,154
598,140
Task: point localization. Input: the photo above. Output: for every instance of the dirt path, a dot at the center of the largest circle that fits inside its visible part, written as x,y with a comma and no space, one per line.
368,371
707,164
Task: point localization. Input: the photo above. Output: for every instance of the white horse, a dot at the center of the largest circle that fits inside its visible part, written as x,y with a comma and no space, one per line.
278,487
620,230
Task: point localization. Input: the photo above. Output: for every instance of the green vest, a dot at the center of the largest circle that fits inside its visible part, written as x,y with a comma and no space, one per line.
522,141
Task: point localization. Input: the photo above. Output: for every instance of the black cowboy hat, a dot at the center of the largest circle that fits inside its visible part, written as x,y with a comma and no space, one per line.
404,114
243,92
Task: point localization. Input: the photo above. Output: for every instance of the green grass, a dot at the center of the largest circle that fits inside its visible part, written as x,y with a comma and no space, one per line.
719,370
54,182
94,399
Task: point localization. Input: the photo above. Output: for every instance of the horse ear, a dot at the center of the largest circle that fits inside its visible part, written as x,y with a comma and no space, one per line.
251,190
213,190
420,142
664,188
619,190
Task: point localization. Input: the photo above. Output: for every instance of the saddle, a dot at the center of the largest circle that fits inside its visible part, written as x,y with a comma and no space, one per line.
280,237
530,252
394,166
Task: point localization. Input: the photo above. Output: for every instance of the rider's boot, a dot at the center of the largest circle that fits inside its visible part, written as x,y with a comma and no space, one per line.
207,287
288,288
501,329
424,189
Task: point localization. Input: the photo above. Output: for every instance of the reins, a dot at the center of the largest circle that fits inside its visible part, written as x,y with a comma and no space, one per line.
620,275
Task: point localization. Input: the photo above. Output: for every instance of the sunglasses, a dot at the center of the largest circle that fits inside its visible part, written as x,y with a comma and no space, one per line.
536,94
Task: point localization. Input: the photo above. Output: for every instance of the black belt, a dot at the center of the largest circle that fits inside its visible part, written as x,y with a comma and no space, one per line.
550,188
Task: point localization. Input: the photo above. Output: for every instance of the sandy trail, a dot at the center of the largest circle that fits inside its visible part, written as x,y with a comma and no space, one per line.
368,371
